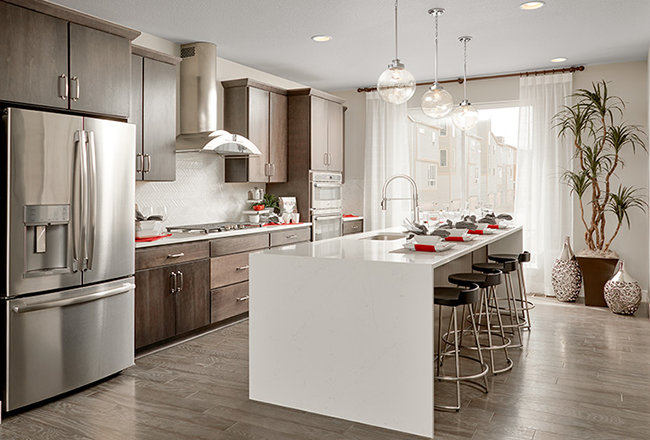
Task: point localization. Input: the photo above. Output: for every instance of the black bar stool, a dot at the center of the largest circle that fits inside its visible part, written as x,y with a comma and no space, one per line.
455,297
487,283
525,306
506,267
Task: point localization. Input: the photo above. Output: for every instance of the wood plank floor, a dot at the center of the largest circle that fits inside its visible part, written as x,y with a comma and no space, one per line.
583,373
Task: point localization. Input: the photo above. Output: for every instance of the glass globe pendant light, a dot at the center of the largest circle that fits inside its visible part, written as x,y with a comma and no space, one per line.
396,85
437,102
465,117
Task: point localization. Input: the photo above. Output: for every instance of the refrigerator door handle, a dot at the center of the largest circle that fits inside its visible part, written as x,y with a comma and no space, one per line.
78,201
84,201
126,287
92,198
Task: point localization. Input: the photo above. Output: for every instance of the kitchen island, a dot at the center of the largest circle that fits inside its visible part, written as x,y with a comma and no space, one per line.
345,327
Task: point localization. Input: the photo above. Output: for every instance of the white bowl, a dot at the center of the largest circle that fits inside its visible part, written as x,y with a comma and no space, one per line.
427,239
458,232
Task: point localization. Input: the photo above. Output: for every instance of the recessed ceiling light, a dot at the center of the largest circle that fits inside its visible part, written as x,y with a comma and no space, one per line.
531,6
558,60
321,38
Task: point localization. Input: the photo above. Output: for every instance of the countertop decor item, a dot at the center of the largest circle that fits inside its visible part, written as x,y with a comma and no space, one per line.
396,85
436,102
622,292
566,276
271,201
465,117
600,136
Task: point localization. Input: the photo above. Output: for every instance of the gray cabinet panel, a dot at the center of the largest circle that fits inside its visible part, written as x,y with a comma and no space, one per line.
278,137
101,62
33,55
135,115
335,136
258,133
159,120
319,131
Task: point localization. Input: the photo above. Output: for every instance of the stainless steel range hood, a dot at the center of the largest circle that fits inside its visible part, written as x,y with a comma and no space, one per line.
199,106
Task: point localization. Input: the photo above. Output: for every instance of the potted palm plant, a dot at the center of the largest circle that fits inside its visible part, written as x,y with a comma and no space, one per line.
595,124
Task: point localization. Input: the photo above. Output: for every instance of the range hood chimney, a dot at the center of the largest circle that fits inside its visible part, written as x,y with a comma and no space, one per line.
199,104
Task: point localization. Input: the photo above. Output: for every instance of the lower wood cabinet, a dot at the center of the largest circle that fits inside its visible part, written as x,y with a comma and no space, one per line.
352,226
171,300
229,301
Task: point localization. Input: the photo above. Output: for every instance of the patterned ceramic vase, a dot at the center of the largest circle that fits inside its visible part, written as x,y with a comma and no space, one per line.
566,276
622,292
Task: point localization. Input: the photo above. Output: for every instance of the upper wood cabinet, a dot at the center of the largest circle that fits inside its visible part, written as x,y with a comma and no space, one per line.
51,60
258,112
153,111
318,117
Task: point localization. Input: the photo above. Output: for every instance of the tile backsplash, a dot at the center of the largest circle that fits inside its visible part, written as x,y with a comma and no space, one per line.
352,195
199,194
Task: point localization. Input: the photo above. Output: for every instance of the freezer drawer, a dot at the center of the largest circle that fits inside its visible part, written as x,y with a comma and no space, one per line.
62,341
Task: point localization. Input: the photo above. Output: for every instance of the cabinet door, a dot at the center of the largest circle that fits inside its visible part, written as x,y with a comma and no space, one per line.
101,64
335,136
33,56
135,115
193,299
278,137
159,120
155,306
258,133
318,133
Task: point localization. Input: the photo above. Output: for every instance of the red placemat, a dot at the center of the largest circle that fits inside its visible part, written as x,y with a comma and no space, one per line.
493,226
477,231
350,216
425,247
282,224
148,239
454,238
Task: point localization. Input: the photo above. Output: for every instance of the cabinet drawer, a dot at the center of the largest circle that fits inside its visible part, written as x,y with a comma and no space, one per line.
280,238
229,269
229,301
164,255
242,243
352,227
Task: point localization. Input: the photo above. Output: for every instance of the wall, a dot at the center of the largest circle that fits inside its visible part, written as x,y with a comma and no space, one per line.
199,194
628,80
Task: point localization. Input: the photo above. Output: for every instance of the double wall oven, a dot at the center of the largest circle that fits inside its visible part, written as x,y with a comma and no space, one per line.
325,207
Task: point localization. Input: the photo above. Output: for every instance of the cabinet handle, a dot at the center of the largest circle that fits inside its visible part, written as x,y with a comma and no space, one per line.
174,282
180,284
138,163
63,85
325,158
77,88
243,267
243,298
147,162
292,236
272,169
181,254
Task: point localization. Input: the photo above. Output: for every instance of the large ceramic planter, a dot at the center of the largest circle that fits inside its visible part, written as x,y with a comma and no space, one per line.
596,272
622,292
565,276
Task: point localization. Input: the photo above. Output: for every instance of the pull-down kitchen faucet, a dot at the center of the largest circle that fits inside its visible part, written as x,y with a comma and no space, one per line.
414,195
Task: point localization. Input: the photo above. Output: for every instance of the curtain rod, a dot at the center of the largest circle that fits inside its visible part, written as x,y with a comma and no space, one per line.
505,75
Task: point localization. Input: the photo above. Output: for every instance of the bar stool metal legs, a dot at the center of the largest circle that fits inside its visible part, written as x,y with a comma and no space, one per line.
444,297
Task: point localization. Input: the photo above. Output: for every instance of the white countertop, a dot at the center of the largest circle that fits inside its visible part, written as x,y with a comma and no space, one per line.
184,237
354,247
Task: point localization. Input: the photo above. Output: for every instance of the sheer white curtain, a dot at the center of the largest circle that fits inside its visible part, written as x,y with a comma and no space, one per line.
387,153
543,203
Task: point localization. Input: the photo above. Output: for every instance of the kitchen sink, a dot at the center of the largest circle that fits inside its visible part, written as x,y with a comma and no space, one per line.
384,237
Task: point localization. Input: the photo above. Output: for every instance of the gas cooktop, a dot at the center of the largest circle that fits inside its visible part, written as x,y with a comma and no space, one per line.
207,228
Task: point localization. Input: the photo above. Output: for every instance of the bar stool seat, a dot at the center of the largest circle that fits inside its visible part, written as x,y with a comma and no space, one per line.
506,266
455,297
468,279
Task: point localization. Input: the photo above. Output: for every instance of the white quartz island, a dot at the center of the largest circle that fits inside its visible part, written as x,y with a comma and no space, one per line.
345,327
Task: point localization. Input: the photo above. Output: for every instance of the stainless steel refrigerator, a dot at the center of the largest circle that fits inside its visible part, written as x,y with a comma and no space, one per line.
67,200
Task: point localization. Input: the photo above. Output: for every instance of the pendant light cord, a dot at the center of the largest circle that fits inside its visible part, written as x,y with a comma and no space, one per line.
396,58
436,54
464,69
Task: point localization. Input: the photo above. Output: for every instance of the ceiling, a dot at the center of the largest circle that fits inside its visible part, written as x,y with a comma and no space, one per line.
274,35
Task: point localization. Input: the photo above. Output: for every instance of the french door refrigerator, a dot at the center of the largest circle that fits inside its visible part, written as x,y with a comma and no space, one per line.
67,200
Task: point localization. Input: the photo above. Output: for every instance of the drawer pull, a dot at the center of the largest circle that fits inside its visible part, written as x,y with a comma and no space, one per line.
292,236
176,255
243,267
243,298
